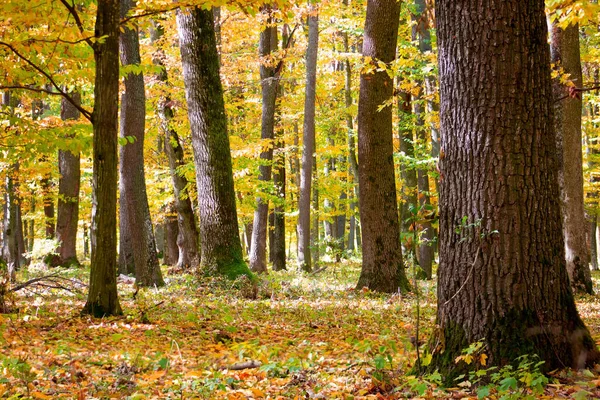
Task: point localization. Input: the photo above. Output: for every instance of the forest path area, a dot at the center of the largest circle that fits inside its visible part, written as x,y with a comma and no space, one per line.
299,337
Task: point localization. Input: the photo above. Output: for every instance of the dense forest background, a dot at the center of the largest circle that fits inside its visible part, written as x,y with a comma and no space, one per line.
292,154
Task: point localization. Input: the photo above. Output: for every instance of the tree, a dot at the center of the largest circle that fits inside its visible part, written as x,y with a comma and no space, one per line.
308,138
382,265
68,192
502,275
102,294
136,228
220,244
186,228
567,122
269,84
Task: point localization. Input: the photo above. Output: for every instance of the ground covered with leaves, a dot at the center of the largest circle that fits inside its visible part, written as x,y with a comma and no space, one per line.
297,337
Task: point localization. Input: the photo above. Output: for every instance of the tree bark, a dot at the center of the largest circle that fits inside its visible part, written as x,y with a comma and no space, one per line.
68,192
220,244
139,231
187,238
408,191
279,176
502,274
308,148
567,123
269,83
382,267
102,294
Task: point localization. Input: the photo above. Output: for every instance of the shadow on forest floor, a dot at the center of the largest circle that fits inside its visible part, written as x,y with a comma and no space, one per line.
303,337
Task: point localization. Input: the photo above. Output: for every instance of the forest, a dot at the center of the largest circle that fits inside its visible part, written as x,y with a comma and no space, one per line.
284,199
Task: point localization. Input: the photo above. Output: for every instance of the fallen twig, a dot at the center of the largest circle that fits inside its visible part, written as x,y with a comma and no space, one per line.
243,365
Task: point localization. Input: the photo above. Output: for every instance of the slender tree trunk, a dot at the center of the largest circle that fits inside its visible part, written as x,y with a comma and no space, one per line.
102,294
132,182
308,147
594,241
279,176
408,191
352,162
567,123
68,192
314,234
269,82
187,239
502,274
382,268
220,244
427,234
172,251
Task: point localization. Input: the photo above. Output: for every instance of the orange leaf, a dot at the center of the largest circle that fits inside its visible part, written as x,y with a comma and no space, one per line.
40,395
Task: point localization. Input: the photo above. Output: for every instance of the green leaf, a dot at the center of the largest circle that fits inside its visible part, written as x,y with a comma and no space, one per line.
508,383
483,392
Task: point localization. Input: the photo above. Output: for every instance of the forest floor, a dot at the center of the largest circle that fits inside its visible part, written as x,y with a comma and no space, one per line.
301,337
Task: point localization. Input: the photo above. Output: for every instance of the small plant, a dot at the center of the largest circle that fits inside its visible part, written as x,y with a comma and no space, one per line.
523,381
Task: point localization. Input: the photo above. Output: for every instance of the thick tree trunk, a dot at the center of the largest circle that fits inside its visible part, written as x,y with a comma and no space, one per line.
314,233
132,183
68,193
382,268
269,82
220,244
567,123
502,274
187,239
102,295
308,147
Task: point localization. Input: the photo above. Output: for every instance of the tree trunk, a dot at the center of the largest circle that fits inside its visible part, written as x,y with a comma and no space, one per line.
172,251
132,183
408,191
220,244
594,241
502,274
427,234
352,162
567,123
68,193
308,137
278,242
189,256
269,82
102,294
382,268
314,234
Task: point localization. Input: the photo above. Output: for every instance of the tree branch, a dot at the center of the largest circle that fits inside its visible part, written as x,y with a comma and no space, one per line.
86,113
574,91
73,11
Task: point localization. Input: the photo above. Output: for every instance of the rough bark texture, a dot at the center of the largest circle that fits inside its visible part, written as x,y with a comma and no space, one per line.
269,82
308,147
220,244
567,122
102,295
132,182
187,238
502,274
382,267
68,193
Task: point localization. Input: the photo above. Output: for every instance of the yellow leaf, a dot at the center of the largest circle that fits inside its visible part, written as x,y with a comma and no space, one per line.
151,377
468,359
40,395
257,392
483,359
193,374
